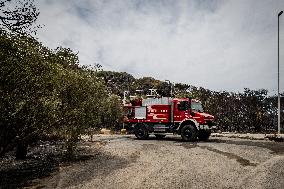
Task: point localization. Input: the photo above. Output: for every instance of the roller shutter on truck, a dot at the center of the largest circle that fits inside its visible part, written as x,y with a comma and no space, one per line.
140,112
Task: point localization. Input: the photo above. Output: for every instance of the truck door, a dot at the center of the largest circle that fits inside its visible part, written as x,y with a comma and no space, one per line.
181,110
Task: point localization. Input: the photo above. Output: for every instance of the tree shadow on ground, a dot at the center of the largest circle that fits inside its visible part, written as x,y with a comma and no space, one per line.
41,162
21,173
167,138
275,147
51,169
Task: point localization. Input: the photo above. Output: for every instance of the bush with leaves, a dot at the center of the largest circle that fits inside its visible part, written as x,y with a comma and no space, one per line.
42,91
45,92
81,95
27,95
112,112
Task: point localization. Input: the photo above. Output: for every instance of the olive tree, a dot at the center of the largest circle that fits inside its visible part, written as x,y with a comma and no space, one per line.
27,96
81,95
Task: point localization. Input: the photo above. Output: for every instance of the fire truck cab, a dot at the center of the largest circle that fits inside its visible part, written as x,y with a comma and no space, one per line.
166,115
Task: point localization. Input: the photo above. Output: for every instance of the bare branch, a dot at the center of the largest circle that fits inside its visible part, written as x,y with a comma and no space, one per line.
21,18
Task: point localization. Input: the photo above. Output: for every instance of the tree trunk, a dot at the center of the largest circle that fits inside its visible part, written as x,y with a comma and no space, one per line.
21,151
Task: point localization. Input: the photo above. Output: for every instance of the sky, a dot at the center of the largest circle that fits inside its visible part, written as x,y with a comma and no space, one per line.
215,44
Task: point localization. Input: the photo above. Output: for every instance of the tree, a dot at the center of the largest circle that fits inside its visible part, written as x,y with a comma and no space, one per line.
44,91
112,112
117,82
81,96
27,95
20,18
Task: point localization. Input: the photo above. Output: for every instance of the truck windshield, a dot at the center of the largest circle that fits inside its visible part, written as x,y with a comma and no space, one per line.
196,106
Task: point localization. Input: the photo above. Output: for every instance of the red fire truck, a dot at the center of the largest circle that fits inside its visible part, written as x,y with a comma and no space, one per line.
166,115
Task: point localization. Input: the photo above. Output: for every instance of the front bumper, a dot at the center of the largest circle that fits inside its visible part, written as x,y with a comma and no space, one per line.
207,127
204,127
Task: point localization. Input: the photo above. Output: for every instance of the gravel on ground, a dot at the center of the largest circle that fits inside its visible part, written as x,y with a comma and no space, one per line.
122,161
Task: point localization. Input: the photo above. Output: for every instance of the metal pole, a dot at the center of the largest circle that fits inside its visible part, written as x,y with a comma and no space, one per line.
171,92
171,89
279,14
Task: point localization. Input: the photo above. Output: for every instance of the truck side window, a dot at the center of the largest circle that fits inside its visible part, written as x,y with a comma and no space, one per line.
183,106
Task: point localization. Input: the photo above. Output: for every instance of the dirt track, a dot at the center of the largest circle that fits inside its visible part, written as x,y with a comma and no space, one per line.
124,162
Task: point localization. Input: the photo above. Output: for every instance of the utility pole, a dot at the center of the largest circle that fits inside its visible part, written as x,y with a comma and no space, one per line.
279,128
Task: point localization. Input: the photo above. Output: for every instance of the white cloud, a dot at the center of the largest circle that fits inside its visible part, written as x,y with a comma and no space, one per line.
220,45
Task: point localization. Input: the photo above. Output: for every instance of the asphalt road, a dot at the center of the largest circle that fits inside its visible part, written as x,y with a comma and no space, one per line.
124,162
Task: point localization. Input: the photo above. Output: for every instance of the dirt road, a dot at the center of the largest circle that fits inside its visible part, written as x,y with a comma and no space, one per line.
124,162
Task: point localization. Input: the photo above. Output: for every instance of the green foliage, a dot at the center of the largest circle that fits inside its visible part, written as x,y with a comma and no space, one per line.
146,83
47,92
112,112
81,94
117,82
24,87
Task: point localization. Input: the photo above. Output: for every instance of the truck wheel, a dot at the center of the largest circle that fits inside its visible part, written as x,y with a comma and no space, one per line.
204,135
141,132
189,133
160,136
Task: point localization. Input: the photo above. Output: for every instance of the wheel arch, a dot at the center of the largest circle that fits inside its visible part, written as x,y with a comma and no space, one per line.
141,131
148,126
188,122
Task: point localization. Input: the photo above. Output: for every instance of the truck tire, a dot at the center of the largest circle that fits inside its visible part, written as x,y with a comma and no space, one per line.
160,136
141,132
189,133
204,135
